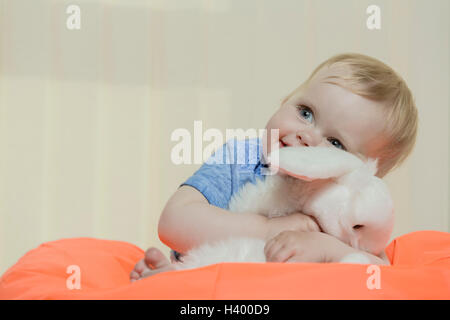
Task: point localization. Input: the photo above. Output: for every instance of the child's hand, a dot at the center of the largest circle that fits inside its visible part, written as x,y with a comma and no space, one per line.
294,246
293,222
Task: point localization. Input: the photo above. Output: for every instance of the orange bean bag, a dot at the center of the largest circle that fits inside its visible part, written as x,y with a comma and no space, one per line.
420,270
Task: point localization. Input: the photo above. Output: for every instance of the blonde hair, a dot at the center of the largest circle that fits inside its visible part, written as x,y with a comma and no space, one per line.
372,79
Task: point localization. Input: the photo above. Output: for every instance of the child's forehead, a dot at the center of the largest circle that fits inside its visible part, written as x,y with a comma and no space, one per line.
332,74
327,75
337,70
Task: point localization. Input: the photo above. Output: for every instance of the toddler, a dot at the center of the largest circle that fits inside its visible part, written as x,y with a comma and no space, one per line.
350,101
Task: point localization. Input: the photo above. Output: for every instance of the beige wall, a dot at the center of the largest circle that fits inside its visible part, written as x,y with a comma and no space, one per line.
86,115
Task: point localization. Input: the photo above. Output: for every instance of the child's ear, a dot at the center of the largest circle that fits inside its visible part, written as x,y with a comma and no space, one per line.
310,163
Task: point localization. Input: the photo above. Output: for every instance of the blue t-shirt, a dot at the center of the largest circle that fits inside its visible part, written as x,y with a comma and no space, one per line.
227,170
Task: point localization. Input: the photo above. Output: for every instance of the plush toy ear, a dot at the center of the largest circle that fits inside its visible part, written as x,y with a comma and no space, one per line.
310,163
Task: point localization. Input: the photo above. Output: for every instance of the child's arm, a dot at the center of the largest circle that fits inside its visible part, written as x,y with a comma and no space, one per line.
188,220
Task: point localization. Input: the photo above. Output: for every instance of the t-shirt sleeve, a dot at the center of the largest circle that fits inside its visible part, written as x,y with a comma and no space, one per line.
213,179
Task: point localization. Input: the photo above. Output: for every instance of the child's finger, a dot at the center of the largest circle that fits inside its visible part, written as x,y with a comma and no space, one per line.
269,247
295,258
273,251
283,254
274,245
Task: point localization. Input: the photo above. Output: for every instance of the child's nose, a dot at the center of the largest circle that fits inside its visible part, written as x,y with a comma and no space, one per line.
308,138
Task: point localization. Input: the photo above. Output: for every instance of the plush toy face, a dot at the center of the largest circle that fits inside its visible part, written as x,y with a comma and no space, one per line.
355,206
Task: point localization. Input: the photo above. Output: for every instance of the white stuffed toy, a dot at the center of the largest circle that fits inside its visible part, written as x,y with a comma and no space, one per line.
335,187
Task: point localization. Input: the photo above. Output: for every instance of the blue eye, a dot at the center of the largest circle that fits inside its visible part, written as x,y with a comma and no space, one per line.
336,143
305,113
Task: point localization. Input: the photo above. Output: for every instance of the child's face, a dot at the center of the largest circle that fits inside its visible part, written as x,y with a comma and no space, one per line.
325,114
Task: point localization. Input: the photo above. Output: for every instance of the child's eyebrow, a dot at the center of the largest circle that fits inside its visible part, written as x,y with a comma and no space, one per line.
309,103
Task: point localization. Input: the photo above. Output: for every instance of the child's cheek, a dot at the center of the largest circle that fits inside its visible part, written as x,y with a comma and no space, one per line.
270,140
